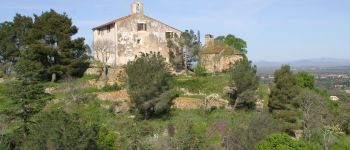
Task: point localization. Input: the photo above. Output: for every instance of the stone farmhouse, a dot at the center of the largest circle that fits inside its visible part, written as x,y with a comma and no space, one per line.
133,34
218,57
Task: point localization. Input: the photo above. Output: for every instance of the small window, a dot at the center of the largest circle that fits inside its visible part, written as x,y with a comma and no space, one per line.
141,27
138,41
108,29
169,35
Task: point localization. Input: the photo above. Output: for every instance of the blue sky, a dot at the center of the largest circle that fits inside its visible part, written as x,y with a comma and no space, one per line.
275,30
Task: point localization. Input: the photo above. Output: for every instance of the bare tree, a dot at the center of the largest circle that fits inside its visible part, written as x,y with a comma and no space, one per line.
315,113
103,49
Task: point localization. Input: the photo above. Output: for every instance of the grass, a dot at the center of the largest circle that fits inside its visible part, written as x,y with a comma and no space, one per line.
212,83
4,100
88,77
343,143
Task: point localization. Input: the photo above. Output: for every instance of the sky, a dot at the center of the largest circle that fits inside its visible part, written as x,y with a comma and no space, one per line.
275,30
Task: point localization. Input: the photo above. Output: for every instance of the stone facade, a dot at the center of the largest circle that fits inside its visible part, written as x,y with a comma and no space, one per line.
134,34
217,57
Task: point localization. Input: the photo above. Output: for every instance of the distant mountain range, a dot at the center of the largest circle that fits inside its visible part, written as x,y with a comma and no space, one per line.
318,62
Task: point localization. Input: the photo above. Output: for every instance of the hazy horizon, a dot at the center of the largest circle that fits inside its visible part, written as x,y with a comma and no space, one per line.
274,30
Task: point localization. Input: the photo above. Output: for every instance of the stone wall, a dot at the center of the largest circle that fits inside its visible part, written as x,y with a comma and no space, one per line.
217,62
130,42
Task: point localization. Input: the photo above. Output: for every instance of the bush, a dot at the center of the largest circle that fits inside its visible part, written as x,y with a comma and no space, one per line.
148,79
200,71
284,142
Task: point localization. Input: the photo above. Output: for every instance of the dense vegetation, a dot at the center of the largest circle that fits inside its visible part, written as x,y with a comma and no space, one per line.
42,48
70,113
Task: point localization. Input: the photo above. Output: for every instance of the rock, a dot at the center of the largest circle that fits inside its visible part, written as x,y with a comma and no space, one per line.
49,90
131,117
213,100
185,103
122,108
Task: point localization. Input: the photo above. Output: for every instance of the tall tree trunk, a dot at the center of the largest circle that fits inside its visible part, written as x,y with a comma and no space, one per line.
236,103
53,77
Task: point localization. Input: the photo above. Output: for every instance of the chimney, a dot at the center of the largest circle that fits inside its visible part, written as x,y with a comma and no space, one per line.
209,39
137,7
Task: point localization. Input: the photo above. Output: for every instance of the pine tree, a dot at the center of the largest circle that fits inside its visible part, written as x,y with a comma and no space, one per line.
148,84
244,83
283,103
49,44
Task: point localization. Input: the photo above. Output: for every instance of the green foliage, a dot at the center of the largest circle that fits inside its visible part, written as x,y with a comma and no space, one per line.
88,77
315,113
200,71
284,142
59,130
30,70
305,80
27,99
43,48
256,129
234,42
244,82
188,41
148,80
109,88
282,102
205,84
342,144
284,91
189,139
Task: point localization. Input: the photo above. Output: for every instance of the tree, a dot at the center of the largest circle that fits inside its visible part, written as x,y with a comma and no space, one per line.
314,112
233,41
27,99
252,132
12,38
183,49
305,80
103,52
148,85
49,42
329,134
282,103
244,82
8,49
284,142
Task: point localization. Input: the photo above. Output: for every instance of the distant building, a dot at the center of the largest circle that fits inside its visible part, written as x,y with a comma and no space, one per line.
218,57
133,34
334,98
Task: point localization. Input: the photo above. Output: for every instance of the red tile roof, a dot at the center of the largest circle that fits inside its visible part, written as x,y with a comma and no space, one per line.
126,17
112,22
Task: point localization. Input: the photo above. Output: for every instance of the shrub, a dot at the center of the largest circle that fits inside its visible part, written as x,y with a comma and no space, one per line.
148,79
200,71
284,142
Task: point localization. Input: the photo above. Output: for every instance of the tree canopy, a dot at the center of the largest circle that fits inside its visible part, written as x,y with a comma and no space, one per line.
148,84
244,83
233,41
43,48
283,103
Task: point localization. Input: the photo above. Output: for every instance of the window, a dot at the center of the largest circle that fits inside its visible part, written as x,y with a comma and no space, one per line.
108,29
138,41
141,27
169,35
